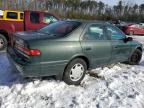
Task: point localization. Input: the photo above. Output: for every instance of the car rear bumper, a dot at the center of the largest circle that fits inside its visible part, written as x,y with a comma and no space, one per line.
28,69
13,63
24,67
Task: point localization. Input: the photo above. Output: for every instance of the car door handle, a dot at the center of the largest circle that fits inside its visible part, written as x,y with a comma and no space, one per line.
88,48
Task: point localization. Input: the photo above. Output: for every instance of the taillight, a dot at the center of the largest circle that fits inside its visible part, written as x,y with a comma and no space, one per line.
30,52
35,52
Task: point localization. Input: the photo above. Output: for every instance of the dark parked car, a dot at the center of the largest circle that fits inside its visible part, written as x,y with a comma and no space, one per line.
67,49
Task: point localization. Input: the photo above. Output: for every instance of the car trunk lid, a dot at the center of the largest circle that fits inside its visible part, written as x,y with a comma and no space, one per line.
20,44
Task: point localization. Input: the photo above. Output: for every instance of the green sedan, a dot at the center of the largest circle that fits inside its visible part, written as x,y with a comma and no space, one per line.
67,49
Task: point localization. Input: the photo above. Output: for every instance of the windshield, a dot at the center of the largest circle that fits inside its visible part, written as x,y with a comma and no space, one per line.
60,28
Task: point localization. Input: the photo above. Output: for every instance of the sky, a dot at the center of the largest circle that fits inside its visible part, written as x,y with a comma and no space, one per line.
113,2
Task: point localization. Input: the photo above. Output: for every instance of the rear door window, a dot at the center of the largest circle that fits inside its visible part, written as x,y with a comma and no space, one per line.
95,32
34,17
12,15
49,18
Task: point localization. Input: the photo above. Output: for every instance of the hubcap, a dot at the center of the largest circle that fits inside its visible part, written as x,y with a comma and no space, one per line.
1,43
76,72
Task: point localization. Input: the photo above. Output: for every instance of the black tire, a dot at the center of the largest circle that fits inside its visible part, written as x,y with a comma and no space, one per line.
66,77
3,42
135,57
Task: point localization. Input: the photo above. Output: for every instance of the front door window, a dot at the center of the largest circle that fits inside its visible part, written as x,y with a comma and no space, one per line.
116,34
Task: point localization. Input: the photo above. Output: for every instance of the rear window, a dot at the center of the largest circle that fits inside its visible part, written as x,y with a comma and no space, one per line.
60,28
34,17
12,15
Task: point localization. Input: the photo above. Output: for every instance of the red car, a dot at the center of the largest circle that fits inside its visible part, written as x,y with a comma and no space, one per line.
133,29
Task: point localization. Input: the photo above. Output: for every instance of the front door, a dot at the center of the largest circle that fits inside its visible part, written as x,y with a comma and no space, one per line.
120,49
96,45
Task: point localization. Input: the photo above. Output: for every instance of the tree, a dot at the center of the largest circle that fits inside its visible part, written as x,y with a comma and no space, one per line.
135,9
120,8
101,7
141,7
80,9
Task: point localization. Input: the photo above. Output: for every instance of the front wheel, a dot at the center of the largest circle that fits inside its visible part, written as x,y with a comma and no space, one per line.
75,72
3,42
135,58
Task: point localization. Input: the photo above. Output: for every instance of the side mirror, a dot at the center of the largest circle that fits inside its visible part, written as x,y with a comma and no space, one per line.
128,39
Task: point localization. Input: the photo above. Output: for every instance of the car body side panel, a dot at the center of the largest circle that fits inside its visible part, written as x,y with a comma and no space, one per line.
134,45
56,54
99,53
120,50
142,31
138,30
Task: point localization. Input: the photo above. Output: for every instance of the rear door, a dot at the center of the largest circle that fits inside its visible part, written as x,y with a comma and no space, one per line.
96,45
120,49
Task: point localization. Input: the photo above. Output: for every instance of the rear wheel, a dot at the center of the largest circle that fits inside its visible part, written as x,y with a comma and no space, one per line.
135,58
75,72
3,42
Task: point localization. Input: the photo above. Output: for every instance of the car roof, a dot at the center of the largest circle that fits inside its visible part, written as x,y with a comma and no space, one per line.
90,21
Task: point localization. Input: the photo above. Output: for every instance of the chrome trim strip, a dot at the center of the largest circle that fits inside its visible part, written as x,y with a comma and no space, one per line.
54,62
